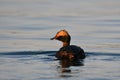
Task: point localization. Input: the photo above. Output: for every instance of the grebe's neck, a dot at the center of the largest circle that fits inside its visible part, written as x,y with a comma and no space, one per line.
66,44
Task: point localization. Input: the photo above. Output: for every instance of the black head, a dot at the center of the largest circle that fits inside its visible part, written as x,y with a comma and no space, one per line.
63,36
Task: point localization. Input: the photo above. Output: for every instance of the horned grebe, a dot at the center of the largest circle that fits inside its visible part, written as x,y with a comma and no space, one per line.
68,51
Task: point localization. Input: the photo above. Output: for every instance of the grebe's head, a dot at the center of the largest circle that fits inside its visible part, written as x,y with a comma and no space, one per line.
63,36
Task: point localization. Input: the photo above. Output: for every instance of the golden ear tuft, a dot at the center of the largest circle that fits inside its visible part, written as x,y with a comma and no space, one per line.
62,33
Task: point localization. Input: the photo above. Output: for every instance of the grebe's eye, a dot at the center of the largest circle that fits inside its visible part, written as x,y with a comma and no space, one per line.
60,37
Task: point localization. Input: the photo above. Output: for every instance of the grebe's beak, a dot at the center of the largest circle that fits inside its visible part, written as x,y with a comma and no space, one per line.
55,37
52,38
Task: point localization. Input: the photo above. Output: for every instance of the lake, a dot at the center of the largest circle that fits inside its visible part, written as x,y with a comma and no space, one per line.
27,53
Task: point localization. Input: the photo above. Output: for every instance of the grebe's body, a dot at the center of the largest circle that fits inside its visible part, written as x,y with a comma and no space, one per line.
68,51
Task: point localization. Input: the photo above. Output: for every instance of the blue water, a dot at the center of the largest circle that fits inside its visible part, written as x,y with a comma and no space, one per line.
27,53
36,65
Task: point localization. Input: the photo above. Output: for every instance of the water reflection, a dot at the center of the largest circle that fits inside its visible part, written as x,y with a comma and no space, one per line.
65,65
65,69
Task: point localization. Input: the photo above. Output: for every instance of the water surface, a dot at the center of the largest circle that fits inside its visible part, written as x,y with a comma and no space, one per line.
26,53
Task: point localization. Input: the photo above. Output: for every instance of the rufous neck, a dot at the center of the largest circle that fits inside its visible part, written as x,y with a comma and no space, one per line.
66,44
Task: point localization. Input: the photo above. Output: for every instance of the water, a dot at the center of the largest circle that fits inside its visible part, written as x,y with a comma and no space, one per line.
26,53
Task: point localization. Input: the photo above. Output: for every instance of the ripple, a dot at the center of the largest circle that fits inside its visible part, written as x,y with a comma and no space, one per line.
28,53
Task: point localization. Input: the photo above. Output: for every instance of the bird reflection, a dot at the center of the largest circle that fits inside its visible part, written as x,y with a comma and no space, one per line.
66,63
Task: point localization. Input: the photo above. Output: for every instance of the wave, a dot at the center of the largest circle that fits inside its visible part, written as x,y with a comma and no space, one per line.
52,53
101,54
28,53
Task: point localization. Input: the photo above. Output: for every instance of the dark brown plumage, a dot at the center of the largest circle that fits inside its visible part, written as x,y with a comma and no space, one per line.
70,52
